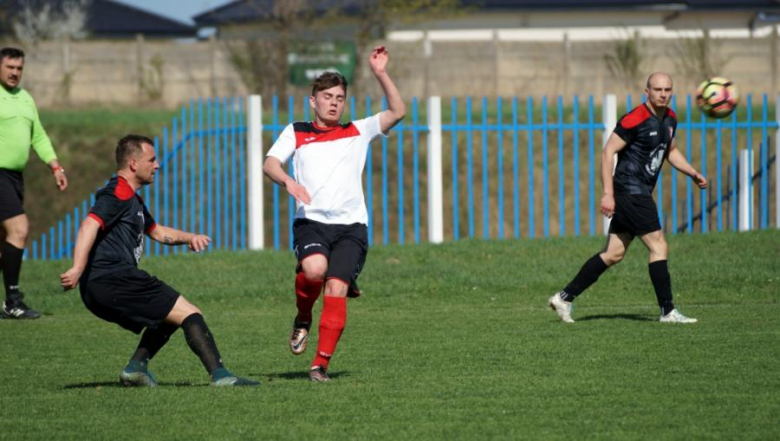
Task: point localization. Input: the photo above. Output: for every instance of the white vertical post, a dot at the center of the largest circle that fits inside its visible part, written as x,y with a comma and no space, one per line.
435,184
777,161
745,189
254,166
609,116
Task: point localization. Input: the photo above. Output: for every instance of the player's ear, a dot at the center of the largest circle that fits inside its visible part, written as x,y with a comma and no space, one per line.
312,101
132,164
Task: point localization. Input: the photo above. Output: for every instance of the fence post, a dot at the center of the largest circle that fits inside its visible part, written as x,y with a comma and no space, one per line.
255,171
435,184
777,162
745,189
609,116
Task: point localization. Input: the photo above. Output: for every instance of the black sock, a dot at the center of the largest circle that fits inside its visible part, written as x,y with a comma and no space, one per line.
662,282
152,341
587,276
12,266
202,342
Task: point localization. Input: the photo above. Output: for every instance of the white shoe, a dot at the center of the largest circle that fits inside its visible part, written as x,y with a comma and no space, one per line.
675,317
561,307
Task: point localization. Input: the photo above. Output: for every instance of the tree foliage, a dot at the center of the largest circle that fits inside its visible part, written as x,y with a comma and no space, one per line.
261,55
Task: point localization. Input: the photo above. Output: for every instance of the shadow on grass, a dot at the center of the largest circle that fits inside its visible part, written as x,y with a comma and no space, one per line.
297,375
636,317
100,384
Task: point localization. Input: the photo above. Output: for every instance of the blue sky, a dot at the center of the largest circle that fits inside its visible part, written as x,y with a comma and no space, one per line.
181,10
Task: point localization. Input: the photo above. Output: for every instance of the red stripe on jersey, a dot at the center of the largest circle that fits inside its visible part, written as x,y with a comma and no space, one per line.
321,134
150,229
671,113
98,219
123,190
635,117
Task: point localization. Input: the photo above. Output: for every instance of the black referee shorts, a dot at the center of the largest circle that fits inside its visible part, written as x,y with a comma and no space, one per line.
635,214
345,247
131,298
11,194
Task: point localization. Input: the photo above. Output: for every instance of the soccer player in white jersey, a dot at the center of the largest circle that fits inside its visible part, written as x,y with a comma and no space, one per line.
330,233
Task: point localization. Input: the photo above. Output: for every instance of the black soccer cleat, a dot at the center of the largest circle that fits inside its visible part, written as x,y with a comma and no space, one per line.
318,374
18,310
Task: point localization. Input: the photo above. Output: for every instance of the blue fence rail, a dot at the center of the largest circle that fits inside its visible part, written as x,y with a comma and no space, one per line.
512,168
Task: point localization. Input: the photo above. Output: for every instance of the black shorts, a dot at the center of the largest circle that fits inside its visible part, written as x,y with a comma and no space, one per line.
345,247
131,298
635,214
11,194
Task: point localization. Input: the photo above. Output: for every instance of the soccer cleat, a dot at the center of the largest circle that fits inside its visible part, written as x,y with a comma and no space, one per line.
141,378
561,307
299,337
223,378
675,316
318,374
18,310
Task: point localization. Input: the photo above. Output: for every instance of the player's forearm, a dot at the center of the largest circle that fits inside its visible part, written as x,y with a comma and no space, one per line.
607,165
395,104
84,242
170,236
273,169
679,162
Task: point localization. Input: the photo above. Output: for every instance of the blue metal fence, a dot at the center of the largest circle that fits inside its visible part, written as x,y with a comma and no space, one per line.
513,168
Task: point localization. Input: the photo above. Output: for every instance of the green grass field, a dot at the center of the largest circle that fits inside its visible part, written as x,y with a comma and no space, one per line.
448,342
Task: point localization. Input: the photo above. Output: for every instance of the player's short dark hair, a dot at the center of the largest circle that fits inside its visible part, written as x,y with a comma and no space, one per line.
11,52
128,147
328,80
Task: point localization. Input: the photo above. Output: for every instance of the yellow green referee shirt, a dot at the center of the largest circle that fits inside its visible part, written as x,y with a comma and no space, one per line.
20,128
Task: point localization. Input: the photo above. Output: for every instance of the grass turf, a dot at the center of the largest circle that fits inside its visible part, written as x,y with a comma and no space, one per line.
448,342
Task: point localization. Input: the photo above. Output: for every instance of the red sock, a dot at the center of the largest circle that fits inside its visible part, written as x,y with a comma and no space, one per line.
332,321
306,293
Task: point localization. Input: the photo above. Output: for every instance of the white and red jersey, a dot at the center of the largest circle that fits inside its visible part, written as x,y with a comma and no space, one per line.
329,162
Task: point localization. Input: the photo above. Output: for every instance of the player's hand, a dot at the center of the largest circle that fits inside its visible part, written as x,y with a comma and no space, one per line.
608,205
378,60
199,242
69,279
61,179
700,180
298,191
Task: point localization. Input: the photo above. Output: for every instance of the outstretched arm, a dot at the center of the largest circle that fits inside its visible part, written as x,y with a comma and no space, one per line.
679,162
84,241
396,109
172,236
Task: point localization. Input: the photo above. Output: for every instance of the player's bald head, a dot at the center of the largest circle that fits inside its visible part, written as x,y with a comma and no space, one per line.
656,77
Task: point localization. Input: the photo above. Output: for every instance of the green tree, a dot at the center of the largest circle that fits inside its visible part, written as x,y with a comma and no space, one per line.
260,53
627,61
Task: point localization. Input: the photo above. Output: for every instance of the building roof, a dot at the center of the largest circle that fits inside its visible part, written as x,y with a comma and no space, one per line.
240,11
106,19
624,5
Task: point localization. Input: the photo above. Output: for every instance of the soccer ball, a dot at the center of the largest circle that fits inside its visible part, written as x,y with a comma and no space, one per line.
717,97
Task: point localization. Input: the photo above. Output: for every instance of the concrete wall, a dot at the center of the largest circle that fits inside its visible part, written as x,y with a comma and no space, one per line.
170,73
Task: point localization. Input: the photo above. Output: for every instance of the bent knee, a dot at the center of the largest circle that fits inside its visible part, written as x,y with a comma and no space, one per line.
17,234
613,258
315,269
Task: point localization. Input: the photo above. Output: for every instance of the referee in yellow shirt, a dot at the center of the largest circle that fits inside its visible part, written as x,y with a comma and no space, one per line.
20,128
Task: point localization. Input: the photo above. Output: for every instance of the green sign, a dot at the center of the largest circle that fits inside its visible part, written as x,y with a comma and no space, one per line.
307,60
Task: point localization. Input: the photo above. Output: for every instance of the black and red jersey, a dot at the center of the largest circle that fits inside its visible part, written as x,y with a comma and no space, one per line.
123,219
648,138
